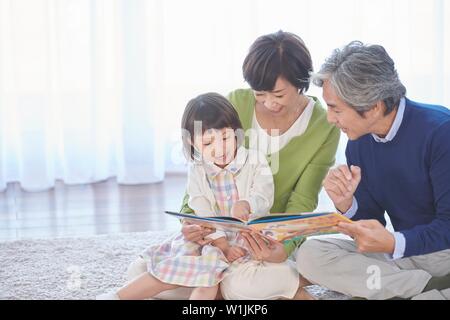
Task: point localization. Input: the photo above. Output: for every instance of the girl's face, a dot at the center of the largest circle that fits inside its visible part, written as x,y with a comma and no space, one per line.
217,146
282,100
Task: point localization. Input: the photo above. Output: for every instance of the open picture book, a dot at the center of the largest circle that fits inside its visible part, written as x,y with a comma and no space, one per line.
278,227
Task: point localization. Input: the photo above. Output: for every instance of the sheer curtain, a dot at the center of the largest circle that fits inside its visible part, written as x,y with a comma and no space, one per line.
79,95
95,89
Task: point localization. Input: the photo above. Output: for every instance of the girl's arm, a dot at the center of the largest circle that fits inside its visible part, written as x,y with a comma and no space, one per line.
262,188
197,200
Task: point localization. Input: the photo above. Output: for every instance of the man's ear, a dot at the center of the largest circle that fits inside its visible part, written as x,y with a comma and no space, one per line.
377,111
380,108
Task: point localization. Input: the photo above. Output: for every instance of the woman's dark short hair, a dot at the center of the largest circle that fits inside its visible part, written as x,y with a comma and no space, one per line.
214,111
278,54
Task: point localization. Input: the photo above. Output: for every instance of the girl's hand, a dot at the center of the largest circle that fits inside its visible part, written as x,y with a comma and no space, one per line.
233,253
241,210
196,233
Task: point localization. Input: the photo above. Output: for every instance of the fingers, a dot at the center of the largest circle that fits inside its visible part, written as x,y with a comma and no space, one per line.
241,251
351,229
342,181
242,216
341,176
340,188
370,224
356,172
251,245
204,241
257,246
336,182
193,236
195,233
241,210
236,253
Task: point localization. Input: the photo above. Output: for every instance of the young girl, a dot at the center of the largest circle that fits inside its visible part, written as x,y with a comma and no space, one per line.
224,179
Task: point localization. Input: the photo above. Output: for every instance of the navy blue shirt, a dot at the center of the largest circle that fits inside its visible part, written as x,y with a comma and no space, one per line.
409,178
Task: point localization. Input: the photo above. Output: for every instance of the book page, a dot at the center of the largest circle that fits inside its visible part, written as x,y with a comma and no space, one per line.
282,230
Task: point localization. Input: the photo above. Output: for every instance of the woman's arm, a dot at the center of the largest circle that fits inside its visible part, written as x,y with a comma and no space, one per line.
304,197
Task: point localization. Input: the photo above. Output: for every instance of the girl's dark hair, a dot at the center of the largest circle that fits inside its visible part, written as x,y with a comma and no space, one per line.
278,54
214,111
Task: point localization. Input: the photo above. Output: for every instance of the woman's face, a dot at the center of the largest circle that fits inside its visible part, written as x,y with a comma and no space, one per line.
282,100
217,146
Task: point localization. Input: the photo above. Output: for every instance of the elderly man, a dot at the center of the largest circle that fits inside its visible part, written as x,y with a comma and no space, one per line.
398,161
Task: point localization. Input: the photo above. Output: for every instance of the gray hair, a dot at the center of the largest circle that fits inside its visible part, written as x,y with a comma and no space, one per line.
362,75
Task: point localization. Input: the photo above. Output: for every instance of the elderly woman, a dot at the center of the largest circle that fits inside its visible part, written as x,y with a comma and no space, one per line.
291,129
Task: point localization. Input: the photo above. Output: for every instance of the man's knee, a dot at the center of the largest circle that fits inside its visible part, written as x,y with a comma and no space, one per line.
311,256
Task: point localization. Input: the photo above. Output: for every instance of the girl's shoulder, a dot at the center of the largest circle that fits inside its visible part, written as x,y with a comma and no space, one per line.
196,170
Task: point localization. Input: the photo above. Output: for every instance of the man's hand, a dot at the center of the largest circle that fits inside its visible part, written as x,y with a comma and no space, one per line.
340,185
241,210
369,235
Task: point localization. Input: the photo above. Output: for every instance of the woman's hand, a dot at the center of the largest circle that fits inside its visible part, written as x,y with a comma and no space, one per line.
233,253
264,249
196,233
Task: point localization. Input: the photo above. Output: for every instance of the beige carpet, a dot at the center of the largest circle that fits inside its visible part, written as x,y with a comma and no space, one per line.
77,268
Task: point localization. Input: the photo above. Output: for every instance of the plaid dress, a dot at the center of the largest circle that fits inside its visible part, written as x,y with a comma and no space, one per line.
185,263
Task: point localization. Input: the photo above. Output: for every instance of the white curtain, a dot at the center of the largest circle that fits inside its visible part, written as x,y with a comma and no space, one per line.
91,89
79,95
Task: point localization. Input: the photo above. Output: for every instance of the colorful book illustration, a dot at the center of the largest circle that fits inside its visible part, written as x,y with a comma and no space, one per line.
278,227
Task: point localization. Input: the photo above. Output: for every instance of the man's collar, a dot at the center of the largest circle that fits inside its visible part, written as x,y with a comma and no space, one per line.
395,125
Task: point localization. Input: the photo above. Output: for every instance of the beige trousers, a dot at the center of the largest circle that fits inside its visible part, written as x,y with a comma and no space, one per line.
251,280
336,264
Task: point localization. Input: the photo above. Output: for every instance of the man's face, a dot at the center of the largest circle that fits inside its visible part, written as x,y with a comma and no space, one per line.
345,117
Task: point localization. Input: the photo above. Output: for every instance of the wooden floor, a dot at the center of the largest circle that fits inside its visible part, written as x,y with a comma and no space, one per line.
100,208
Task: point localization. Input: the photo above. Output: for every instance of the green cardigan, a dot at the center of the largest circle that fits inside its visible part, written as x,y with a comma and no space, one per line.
303,162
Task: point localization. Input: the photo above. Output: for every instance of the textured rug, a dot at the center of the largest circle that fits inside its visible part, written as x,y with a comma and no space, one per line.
78,268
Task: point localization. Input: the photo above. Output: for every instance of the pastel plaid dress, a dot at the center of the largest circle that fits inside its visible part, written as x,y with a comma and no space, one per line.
185,263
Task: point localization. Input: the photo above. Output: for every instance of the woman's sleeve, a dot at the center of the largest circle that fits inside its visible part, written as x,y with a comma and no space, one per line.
304,197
